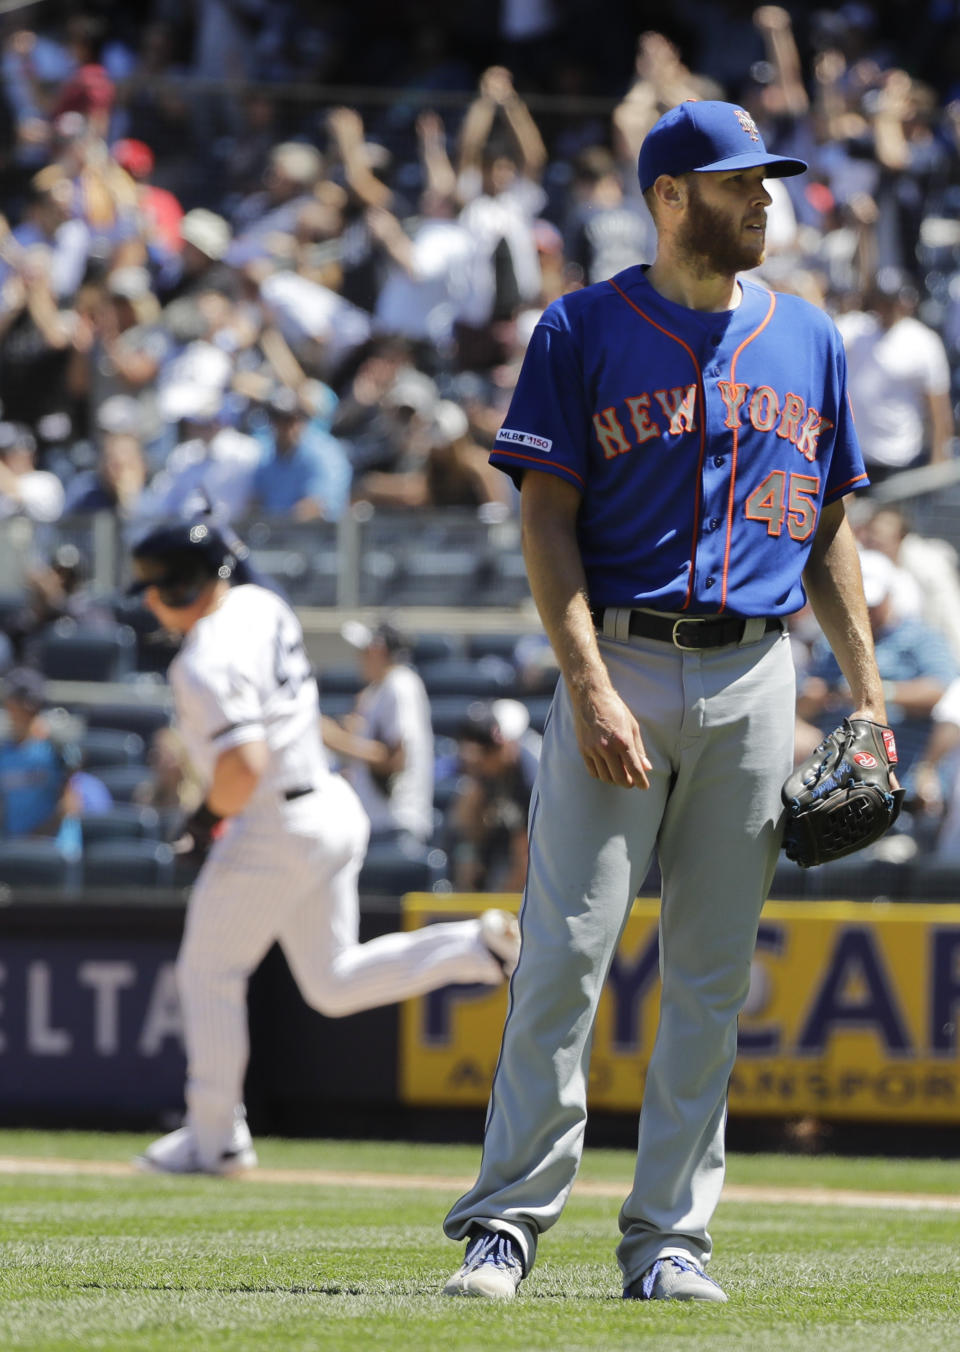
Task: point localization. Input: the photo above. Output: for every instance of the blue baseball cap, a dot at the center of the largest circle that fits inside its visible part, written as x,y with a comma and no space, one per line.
704,135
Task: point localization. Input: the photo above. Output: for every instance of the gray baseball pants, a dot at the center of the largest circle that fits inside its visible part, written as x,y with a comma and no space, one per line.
718,726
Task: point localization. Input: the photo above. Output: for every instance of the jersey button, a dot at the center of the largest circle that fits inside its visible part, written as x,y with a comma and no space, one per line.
710,581
714,522
718,460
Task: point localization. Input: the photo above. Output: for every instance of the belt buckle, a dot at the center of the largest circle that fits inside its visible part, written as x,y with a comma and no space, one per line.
674,637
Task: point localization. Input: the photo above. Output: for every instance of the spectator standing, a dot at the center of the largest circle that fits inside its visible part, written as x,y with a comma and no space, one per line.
899,380
430,258
88,90
36,340
47,219
443,467
213,464
499,179
293,171
364,166
304,473
160,212
913,163
604,233
125,348
386,744
154,107
199,265
386,399
32,64
104,196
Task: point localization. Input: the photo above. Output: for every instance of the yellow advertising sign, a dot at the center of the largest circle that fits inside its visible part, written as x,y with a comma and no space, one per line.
853,1012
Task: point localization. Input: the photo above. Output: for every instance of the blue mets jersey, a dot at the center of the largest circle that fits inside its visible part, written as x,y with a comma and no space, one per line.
704,444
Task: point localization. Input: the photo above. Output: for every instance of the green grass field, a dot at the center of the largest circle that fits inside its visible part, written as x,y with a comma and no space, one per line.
147,1264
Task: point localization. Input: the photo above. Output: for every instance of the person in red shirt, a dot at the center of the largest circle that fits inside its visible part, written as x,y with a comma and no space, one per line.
161,211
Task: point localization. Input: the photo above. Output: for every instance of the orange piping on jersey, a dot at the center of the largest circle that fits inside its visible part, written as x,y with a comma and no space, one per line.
840,487
736,446
539,464
703,427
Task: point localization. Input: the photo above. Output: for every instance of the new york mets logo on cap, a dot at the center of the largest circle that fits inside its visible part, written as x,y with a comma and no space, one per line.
747,123
704,136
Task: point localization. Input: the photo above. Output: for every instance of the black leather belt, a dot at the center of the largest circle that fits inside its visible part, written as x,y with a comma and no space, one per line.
692,632
300,792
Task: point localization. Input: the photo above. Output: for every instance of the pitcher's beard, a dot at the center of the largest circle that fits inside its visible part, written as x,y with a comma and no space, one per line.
711,245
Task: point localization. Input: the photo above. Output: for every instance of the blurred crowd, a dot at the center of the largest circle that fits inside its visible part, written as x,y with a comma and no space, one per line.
224,285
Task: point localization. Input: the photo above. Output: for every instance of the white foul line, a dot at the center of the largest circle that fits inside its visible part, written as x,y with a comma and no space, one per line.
336,1178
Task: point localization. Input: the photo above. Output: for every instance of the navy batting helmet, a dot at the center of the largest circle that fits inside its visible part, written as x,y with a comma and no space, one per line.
180,560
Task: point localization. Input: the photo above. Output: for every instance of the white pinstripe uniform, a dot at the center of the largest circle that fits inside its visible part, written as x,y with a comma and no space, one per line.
285,869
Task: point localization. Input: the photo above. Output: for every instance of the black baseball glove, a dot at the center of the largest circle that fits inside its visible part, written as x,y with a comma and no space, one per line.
840,799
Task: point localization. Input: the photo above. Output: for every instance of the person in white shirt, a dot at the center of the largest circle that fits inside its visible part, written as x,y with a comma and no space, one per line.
212,464
425,287
499,180
387,742
898,379
928,580
279,838
24,489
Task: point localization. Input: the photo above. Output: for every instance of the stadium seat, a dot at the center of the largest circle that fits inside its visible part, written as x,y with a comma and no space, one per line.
302,559
492,645
429,577
144,716
123,821
131,863
124,780
393,869
326,567
501,579
111,746
862,879
436,648
68,652
538,706
483,677
447,713
790,882
935,880
288,568
337,705
154,648
339,680
35,861
12,604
